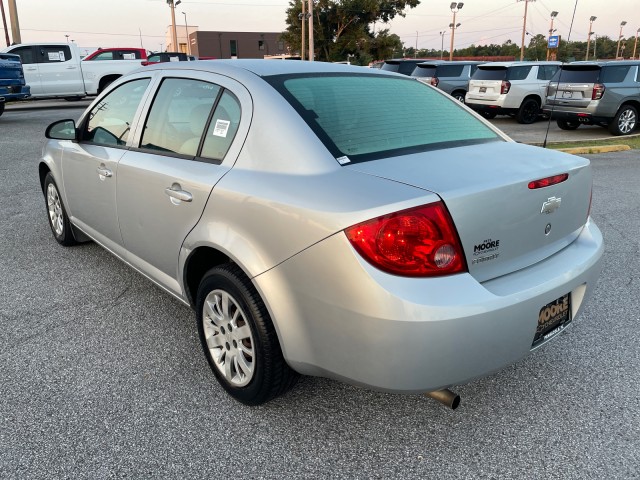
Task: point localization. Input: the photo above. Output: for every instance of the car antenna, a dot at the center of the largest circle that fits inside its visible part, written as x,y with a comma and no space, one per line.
546,135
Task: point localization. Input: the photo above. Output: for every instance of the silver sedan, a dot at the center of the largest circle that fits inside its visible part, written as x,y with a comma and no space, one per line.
328,220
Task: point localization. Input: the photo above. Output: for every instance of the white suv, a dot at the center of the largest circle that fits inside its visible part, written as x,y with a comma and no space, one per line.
510,88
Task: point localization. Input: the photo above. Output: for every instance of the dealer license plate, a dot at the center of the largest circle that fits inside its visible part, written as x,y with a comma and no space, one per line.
552,319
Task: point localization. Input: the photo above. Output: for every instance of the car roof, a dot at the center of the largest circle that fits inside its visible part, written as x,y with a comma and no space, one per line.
517,64
264,68
591,63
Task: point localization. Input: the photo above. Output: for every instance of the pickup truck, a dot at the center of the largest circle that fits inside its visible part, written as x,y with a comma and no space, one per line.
12,83
55,70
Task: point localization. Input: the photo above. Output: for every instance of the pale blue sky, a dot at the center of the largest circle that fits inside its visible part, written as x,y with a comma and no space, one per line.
101,23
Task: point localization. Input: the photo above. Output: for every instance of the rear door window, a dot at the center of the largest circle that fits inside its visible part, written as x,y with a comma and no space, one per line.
546,72
222,128
490,73
179,115
518,73
444,71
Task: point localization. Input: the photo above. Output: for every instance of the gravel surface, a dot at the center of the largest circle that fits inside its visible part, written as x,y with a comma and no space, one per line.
102,374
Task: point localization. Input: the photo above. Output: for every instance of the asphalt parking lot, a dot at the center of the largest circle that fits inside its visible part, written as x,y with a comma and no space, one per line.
103,376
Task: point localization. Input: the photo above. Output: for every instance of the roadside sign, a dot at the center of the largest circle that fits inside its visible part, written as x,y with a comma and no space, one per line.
553,42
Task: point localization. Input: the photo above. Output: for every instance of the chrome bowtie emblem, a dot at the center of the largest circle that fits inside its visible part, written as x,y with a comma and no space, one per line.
551,205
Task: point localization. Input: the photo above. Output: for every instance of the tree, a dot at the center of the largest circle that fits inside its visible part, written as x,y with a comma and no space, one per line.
341,27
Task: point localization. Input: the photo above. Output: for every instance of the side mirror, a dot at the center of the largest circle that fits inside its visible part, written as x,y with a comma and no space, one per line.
62,130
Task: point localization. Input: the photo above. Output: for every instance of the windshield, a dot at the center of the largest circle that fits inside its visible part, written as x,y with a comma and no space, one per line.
367,116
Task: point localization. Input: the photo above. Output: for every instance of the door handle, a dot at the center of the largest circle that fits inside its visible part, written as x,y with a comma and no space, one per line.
104,172
177,194
71,67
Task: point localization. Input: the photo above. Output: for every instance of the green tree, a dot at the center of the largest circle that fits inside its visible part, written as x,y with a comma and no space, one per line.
341,27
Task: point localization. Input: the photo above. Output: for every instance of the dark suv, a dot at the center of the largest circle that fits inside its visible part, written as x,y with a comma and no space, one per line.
451,77
596,93
401,65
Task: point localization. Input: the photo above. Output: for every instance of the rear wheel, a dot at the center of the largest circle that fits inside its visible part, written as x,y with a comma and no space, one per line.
488,115
239,339
459,95
567,124
528,112
625,121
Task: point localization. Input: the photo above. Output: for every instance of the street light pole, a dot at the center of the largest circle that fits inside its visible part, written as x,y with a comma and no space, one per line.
415,52
524,26
442,44
591,20
303,18
15,25
174,35
622,24
455,8
4,23
554,14
635,45
311,47
186,31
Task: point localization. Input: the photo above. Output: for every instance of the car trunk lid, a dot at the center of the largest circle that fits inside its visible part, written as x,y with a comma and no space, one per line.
503,224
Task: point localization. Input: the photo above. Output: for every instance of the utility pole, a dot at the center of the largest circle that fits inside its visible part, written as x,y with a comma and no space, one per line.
442,44
591,20
622,24
554,14
4,23
455,8
635,45
524,26
303,18
311,49
415,52
174,35
15,25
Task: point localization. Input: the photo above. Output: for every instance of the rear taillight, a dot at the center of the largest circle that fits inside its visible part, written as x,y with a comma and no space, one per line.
419,242
598,91
504,87
548,181
435,81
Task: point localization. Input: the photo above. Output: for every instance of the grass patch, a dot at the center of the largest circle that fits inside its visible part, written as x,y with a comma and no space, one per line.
633,142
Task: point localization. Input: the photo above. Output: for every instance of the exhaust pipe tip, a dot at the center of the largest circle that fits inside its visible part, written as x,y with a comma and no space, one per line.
446,397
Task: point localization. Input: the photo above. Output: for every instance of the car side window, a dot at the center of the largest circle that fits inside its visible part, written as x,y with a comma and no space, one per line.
615,73
54,53
545,72
518,73
223,127
179,115
104,56
109,122
26,55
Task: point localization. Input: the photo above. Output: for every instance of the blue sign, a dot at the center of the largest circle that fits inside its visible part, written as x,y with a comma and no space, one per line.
554,40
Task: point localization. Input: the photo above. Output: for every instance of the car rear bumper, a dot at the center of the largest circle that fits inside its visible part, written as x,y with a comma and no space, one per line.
347,320
576,115
13,93
490,107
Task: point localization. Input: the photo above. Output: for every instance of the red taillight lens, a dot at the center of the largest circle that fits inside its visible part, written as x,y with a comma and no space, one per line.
547,182
435,81
420,242
504,87
598,91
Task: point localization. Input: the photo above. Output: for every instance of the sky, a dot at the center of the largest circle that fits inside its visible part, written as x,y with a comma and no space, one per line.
120,23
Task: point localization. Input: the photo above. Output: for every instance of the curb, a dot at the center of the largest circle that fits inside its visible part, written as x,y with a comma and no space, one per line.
595,149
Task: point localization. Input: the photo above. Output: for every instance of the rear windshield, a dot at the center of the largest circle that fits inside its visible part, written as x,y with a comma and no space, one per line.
490,73
404,67
424,71
367,116
444,71
577,75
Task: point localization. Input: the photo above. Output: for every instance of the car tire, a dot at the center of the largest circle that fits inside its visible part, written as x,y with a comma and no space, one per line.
57,214
528,111
488,115
459,95
239,339
73,99
567,124
625,121
1,108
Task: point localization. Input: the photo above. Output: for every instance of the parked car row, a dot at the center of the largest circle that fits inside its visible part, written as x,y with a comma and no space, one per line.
12,83
574,94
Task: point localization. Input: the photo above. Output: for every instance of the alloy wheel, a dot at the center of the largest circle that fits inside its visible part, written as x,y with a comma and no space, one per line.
54,206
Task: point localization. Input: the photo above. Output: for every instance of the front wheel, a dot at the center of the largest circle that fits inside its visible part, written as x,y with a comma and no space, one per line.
459,95
567,124
528,112
625,121
239,339
56,213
